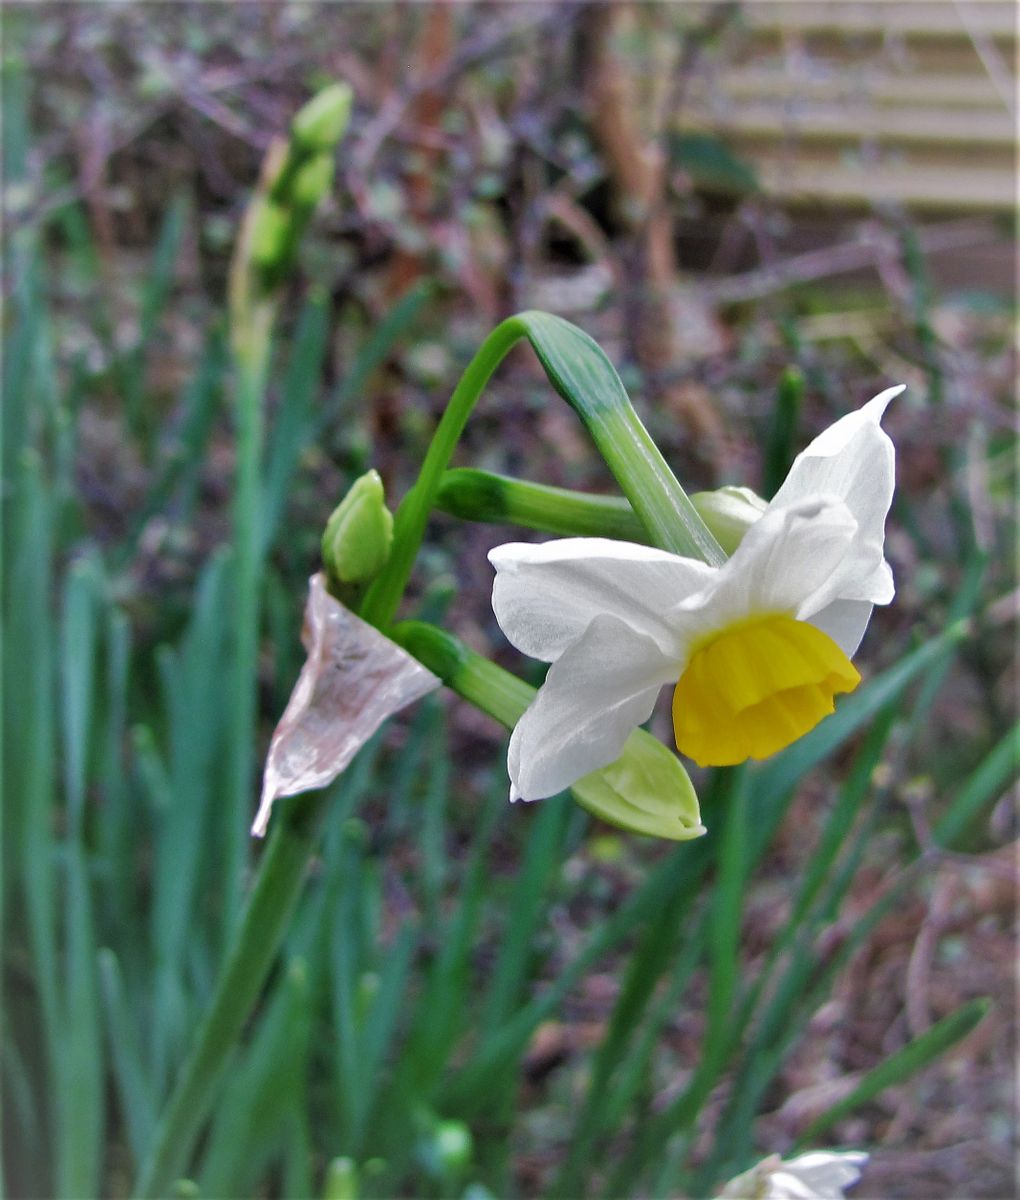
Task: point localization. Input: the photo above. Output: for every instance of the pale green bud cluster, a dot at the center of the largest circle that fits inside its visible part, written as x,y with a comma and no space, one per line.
302,179
357,538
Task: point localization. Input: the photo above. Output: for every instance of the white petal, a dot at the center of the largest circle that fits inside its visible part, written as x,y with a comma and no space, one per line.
824,1175
855,460
601,688
794,560
545,596
845,622
784,1186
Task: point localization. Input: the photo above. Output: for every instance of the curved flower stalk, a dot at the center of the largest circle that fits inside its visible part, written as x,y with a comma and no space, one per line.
818,1175
757,648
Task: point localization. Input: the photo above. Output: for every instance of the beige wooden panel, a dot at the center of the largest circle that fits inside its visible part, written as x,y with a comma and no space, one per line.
924,91
983,187
843,122
903,18
828,84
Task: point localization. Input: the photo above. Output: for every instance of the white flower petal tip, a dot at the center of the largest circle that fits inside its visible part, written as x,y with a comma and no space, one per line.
353,679
818,1175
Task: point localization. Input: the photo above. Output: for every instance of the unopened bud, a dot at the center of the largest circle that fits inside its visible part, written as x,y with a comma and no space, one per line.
341,1181
356,542
452,1146
270,234
729,513
312,182
320,124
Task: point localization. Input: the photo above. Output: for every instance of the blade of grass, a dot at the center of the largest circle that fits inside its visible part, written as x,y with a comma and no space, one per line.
251,1118
672,883
978,792
80,1145
730,799
645,969
527,908
152,303
375,349
294,423
898,1067
184,453
252,953
134,1095
117,824
438,1024
29,706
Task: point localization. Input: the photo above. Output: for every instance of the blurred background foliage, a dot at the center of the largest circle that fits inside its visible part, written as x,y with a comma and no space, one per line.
473,1000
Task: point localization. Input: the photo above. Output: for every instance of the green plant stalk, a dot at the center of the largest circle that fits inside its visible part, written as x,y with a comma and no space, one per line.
584,377
263,923
252,350
475,495
475,679
598,396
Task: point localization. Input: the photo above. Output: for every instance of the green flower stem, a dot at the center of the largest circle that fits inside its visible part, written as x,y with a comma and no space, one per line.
475,495
475,679
409,523
646,790
252,953
252,356
581,373
585,378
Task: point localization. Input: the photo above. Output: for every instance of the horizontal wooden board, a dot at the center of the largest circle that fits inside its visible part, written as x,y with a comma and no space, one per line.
907,101
905,18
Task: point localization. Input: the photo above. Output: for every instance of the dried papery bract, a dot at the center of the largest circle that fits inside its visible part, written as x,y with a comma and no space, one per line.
353,679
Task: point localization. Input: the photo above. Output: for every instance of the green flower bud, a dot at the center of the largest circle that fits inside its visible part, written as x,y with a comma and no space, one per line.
452,1146
356,542
270,234
320,124
341,1181
312,182
729,513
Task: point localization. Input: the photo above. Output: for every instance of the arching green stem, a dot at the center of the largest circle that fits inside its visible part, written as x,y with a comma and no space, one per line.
579,370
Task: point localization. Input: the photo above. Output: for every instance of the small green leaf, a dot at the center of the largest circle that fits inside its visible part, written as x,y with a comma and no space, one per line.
711,163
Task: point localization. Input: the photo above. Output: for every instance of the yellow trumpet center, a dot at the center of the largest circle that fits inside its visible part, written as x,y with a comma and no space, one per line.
755,687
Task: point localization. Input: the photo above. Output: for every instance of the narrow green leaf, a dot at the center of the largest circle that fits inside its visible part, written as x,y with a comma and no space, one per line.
135,1100
898,1067
525,911
984,786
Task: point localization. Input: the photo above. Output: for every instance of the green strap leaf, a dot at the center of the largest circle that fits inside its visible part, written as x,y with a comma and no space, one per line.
914,1056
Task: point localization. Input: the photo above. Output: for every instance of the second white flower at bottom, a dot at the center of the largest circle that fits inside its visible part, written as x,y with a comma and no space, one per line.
757,648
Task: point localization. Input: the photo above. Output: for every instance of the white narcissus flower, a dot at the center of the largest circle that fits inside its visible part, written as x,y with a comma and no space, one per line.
757,648
818,1175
